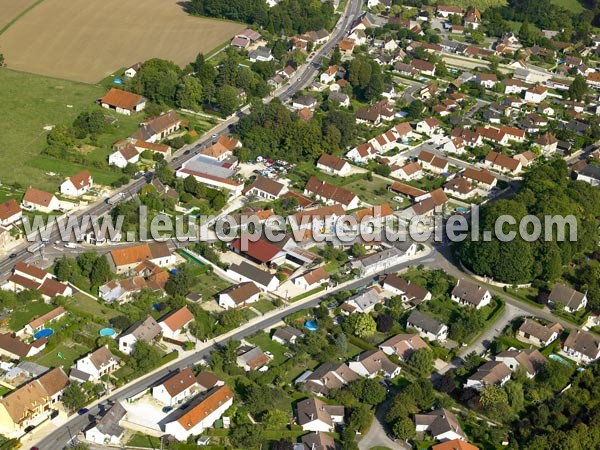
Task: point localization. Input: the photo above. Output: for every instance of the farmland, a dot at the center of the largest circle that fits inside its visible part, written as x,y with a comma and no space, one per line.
10,10
87,41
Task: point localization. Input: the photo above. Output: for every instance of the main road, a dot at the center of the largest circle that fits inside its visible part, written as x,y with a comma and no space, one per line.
300,80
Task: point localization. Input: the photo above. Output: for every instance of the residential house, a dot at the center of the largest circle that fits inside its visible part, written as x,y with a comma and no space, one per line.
42,321
590,174
423,67
513,86
460,187
403,345
328,376
175,323
472,18
410,171
261,251
222,149
251,358
536,94
441,424
428,204
371,264
36,200
202,414
239,295
471,294
570,299
143,330
123,102
265,188
158,128
126,154
408,291
10,212
487,80
97,364
262,54
323,218
304,101
490,373
503,163
177,388
428,126
29,277
373,363
332,164
581,346
481,178
331,194
315,415
78,184
12,347
318,441
340,99
145,276
547,143
432,162
363,302
527,158
531,360
428,327
106,430
124,260
287,335
455,145
132,71
454,444
313,279
535,333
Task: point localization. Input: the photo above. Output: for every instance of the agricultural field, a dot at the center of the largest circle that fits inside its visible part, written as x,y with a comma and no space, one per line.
88,40
11,9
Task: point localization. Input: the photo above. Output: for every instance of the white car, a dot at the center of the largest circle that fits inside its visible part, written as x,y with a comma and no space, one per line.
70,245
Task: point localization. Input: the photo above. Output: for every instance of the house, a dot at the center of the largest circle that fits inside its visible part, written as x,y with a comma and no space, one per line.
512,86
384,259
531,360
32,403
532,332
423,67
329,75
428,126
446,11
547,143
222,149
428,327
312,280
502,162
374,215
340,99
428,204
487,80
490,373
460,188
403,345
239,295
143,330
409,292
251,358
175,323
319,218
373,363
472,18
317,441
177,388
332,164
328,376
262,54
142,146
331,194
208,381
132,71
410,171
454,444
107,430
570,299
581,347
201,414
455,145
304,101
123,102
536,94
40,322
245,38
363,302
10,212
12,347
314,415
78,184
145,276
29,277
482,178
471,294
126,154
265,188
36,200
432,162
158,128
123,260
346,46
98,363
261,251
441,424
527,158
287,335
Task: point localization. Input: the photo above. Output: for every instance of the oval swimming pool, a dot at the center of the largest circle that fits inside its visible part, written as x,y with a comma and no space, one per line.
107,332
311,325
43,333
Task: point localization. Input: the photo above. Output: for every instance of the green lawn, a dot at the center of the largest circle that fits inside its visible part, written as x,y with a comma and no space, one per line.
374,192
572,5
207,283
264,305
4,390
482,5
26,312
141,440
264,341
69,351
84,304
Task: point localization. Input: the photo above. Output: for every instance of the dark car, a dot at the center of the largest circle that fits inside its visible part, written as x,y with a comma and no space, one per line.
83,411
13,255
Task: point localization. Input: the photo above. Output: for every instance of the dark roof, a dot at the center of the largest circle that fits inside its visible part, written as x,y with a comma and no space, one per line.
426,323
251,272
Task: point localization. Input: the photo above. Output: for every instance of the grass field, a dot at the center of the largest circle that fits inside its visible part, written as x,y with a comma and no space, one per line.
26,312
84,304
69,352
482,5
572,5
88,40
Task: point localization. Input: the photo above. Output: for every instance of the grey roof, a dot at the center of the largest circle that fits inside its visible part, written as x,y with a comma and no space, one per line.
469,292
79,375
426,323
260,52
376,258
34,370
566,295
338,97
439,421
109,424
209,166
366,298
317,441
251,272
583,343
591,171
145,329
286,333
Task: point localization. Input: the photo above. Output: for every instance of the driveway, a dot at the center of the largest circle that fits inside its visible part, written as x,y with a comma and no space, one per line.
376,436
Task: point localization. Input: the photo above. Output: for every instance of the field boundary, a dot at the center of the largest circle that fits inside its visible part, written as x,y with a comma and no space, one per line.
18,16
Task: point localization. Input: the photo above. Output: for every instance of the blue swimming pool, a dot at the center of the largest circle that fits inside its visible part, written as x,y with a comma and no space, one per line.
559,358
44,333
107,332
311,325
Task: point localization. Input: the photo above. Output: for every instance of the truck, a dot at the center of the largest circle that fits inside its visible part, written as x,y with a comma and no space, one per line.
36,246
115,198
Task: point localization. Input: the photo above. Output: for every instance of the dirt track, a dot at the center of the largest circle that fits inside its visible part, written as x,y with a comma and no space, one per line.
87,40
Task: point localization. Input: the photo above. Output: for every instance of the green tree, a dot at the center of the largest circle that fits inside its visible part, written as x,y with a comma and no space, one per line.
422,361
179,282
74,397
361,325
404,428
145,356
100,272
66,269
358,250
578,88
360,418
227,99
189,94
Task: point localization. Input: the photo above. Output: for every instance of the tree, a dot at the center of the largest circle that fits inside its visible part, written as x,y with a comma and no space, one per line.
189,94
360,418
179,282
368,391
404,428
246,436
74,397
493,396
227,99
100,272
578,88
422,361
477,36
1,60
282,444
358,250
66,269
384,323
145,356
415,109
361,324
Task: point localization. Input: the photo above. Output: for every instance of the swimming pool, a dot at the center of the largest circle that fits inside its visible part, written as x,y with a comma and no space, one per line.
311,325
43,333
559,358
107,332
